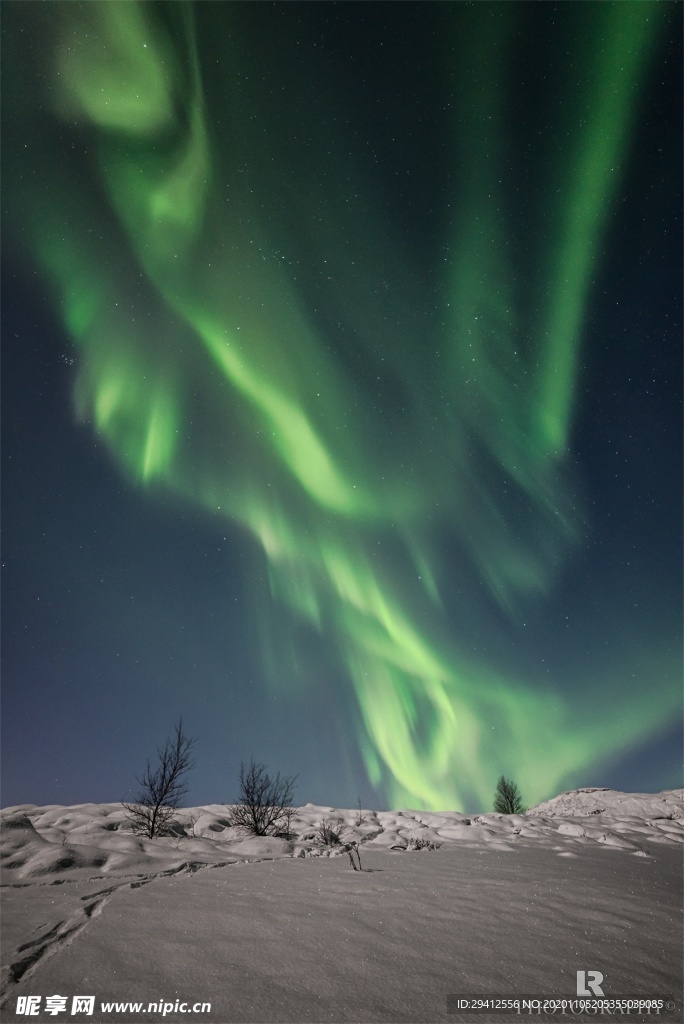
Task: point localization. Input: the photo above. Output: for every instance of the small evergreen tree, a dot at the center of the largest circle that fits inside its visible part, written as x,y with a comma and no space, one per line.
507,799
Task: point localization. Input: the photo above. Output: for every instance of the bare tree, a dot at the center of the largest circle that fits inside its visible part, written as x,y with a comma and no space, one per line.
265,804
507,799
162,788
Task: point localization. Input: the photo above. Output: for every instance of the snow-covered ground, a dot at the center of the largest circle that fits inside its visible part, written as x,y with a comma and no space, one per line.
268,929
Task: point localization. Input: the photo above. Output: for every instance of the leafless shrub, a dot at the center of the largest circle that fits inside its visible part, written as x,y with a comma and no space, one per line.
186,830
265,804
162,788
330,832
359,817
419,843
189,827
286,830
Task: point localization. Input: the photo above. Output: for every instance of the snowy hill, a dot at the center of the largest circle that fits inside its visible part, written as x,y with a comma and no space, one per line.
270,929
612,803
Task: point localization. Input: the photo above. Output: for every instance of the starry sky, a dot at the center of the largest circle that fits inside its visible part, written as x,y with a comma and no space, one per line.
342,397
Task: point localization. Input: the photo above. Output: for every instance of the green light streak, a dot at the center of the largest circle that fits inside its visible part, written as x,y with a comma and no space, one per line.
117,69
612,81
282,441
293,436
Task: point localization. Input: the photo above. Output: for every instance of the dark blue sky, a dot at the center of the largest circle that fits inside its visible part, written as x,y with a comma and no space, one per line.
129,604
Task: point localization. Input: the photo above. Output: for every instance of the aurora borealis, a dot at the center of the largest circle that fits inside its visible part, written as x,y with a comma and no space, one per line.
376,300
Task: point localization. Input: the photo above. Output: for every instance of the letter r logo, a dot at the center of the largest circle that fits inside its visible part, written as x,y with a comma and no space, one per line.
589,983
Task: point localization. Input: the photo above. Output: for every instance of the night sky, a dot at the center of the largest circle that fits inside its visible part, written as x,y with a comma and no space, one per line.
342,397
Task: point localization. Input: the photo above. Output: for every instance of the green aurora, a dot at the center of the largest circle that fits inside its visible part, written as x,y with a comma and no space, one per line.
209,368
